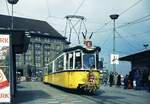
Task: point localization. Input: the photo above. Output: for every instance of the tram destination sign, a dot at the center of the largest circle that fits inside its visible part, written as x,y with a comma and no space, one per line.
4,69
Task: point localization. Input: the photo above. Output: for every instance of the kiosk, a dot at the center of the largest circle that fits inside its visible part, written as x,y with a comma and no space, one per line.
12,42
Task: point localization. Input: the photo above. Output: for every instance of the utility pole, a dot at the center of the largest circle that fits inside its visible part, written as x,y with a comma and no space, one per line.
114,17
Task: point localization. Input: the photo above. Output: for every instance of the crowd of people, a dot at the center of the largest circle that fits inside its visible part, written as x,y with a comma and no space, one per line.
137,80
134,80
114,79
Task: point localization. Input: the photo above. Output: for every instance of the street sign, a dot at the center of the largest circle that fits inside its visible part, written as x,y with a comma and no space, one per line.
114,59
5,95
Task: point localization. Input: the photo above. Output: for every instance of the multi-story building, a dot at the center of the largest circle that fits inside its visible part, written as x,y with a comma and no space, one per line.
45,44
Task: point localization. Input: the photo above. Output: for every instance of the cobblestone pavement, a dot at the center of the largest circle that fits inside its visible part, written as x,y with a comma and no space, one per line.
38,93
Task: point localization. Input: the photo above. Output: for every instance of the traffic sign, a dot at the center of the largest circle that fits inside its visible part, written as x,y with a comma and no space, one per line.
114,59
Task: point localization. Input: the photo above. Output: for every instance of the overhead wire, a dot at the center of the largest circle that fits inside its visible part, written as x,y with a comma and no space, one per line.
106,40
126,10
125,40
81,4
139,20
133,5
138,34
97,30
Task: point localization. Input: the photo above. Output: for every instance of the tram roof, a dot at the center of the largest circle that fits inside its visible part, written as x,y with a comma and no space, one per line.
84,49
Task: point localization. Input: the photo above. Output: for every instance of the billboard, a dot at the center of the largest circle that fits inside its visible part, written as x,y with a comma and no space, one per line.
5,95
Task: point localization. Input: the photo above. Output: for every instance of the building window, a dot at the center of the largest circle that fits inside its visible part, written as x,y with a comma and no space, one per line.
38,65
37,52
37,46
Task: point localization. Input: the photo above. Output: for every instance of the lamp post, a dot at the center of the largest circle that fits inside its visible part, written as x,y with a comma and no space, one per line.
114,17
12,55
12,2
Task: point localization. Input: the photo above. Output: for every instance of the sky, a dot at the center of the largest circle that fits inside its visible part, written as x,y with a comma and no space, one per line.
132,25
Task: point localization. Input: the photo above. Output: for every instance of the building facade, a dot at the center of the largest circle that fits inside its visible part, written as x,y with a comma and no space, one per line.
45,44
41,50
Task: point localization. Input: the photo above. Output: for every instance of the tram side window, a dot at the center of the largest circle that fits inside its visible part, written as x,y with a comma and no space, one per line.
71,60
50,68
67,62
59,63
78,60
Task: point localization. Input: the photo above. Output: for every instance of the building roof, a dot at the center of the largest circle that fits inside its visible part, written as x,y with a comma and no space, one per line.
136,56
31,25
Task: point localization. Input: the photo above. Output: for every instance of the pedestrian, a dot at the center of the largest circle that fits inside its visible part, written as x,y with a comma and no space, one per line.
130,80
137,79
126,82
111,79
119,80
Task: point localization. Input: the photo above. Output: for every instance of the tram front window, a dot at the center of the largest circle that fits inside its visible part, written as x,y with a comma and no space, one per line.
89,61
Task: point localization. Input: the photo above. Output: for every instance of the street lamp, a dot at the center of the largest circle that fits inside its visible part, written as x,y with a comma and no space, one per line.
12,2
114,17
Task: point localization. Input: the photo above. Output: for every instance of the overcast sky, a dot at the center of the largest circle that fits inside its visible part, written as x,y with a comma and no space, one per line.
132,25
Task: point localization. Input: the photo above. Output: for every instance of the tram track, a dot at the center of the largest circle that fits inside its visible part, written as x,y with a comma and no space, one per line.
46,94
96,100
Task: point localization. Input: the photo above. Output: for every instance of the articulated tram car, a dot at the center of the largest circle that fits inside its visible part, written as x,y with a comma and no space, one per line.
75,68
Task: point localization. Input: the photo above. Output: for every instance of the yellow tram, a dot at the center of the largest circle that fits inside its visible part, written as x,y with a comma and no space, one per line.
76,68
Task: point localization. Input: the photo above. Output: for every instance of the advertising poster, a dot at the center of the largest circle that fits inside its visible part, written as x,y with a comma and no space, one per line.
4,69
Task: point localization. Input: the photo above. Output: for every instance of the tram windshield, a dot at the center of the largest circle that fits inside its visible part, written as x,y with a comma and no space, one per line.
89,61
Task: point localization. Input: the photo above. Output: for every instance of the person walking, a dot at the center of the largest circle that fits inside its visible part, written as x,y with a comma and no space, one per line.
111,79
137,79
130,80
126,82
119,80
